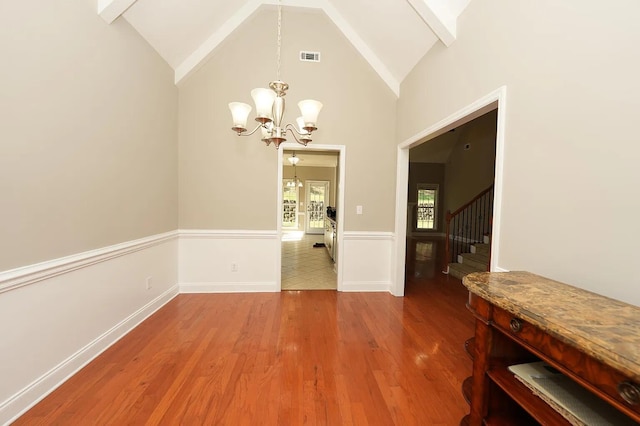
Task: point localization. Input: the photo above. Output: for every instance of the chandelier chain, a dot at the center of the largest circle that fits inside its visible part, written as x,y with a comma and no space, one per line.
279,38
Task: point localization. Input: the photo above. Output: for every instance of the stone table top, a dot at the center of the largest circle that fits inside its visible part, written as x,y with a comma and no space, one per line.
603,328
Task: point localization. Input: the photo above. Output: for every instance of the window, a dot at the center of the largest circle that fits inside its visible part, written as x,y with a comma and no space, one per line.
427,201
289,204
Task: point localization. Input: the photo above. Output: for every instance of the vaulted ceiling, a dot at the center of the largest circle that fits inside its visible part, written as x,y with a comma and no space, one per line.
392,35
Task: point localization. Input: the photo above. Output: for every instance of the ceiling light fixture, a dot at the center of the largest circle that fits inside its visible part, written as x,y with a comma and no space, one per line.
293,159
270,109
295,182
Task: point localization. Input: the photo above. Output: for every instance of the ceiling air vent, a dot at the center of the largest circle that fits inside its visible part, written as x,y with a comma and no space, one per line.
310,56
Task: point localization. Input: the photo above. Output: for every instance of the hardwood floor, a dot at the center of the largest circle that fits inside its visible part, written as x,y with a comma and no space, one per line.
290,358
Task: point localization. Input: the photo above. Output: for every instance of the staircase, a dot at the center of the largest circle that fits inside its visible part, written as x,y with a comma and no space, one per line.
477,260
467,236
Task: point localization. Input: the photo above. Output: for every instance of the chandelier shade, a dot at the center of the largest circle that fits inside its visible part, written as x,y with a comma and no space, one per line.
240,113
270,108
310,110
293,159
263,99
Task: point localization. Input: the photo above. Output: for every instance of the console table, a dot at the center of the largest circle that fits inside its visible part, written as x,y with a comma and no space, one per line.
522,317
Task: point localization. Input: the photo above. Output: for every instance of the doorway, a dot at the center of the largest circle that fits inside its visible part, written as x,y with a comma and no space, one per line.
306,261
451,173
492,101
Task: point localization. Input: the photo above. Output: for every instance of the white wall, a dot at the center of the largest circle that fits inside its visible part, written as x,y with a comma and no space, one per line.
88,190
56,316
214,261
570,68
367,261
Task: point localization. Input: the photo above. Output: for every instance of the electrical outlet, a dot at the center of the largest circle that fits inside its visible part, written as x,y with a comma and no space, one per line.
358,209
234,267
148,283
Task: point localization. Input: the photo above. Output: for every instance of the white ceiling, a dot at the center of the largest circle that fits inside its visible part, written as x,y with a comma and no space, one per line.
186,32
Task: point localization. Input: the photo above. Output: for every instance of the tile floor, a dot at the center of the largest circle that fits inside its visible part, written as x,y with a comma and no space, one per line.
305,267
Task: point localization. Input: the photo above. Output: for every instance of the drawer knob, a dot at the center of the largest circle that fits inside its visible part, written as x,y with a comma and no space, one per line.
515,324
630,392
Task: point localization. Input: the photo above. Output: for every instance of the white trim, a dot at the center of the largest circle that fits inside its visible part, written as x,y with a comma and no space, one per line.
203,52
231,287
340,190
227,234
367,53
26,275
436,14
366,235
110,10
498,269
479,107
366,286
399,252
48,382
200,55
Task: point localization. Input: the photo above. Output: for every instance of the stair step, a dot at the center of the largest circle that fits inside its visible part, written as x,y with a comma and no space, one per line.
477,260
459,270
486,239
481,248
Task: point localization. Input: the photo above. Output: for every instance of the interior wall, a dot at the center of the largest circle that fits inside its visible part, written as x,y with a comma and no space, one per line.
471,171
347,86
88,123
570,70
88,182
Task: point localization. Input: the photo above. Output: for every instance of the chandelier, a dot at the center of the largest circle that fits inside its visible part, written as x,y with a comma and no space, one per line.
270,109
295,182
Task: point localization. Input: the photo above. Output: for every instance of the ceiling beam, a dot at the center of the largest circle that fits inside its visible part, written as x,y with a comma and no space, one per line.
437,15
110,10
200,55
362,47
197,58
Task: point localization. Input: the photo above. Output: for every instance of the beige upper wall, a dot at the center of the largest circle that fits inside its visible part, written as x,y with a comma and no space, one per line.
88,131
359,112
570,172
471,171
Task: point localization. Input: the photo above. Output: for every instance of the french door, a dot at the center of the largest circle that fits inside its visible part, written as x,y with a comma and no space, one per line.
317,198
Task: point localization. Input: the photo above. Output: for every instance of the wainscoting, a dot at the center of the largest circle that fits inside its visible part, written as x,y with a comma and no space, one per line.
367,259
215,261
58,315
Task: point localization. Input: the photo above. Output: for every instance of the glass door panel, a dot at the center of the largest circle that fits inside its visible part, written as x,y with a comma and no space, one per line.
317,196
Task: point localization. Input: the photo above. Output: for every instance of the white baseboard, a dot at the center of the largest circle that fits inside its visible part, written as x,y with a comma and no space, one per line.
366,286
217,287
22,401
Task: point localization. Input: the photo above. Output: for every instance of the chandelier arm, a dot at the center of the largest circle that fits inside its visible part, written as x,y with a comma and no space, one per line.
301,141
295,131
251,132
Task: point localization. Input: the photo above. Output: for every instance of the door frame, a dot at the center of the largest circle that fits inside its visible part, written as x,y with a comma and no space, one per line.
494,100
340,190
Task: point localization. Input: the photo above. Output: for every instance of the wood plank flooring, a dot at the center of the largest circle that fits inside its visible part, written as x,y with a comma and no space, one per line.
290,358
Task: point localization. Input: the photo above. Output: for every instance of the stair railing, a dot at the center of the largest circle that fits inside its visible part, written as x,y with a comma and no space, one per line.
467,225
